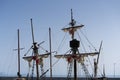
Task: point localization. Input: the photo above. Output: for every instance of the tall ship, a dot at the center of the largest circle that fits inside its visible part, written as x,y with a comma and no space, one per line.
73,56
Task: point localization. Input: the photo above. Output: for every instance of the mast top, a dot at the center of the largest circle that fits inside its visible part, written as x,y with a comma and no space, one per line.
32,31
73,28
73,22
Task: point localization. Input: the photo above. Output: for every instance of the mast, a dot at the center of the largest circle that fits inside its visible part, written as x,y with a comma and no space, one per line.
74,49
19,75
35,50
74,44
50,54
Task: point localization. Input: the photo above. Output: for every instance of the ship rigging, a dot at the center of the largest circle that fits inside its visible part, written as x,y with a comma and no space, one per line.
74,56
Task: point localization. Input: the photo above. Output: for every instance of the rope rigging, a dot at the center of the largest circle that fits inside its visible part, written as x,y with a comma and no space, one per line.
70,66
39,61
85,52
88,40
33,67
60,45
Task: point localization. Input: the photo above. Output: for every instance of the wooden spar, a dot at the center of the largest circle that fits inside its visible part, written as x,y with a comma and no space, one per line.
81,54
99,52
50,54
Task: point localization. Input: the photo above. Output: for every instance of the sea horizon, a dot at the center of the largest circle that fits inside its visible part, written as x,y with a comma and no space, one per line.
80,76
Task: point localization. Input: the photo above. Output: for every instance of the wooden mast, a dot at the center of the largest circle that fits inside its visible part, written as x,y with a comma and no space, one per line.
50,54
74,50
19,75
18,49
35,51
74,44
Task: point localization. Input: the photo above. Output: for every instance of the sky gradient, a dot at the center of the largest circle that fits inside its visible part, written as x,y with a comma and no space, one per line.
100,17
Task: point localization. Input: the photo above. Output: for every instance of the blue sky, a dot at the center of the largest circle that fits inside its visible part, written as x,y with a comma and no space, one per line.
101,19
